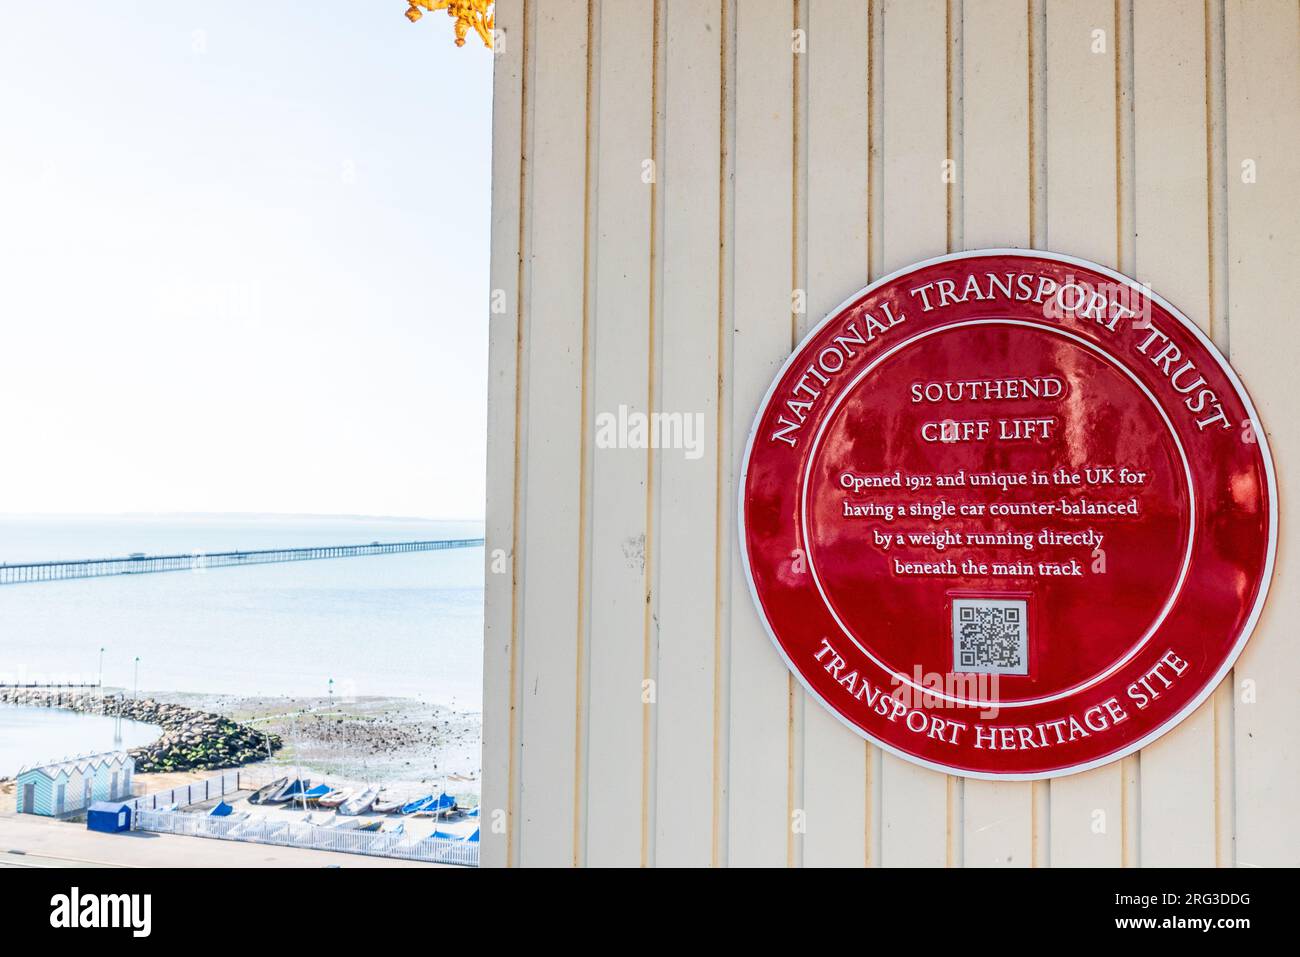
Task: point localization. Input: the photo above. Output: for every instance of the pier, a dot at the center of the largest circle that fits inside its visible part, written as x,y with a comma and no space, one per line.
140,564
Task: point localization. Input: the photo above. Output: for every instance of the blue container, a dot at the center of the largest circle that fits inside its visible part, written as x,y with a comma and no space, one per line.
109,817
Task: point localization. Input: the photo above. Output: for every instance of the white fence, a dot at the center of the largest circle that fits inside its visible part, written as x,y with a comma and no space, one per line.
301,834
227,782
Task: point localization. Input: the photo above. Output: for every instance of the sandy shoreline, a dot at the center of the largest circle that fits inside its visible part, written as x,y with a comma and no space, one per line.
388,739
403,743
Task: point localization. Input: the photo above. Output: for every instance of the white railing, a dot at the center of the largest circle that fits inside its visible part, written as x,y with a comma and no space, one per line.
227,782
290,833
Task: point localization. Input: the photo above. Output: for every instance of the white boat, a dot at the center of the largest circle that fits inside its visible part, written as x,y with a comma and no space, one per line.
360,803
345,824
386,804
334,798
389,837
228,825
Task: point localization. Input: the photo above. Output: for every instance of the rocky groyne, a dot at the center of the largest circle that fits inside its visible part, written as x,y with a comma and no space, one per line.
191,740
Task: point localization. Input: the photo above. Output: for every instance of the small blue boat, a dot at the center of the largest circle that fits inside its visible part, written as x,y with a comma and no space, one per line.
290,790
297,787
442,804
221,810
410,807
455,838
314,794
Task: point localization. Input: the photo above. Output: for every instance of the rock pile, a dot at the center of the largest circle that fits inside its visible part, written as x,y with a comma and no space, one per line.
192,740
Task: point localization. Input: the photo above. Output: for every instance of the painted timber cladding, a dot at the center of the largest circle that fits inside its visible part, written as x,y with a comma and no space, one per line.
634,710
84,780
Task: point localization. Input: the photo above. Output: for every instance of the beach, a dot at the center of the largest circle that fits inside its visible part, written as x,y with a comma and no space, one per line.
392,740
358,669
408,746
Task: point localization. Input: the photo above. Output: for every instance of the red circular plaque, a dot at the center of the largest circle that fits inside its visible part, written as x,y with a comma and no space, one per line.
1008,514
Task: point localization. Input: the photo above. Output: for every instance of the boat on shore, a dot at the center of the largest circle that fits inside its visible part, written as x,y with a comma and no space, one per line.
441,806
261,794
410,807
311,797
360,803
345,824
386,805
334,798
293,789
390,836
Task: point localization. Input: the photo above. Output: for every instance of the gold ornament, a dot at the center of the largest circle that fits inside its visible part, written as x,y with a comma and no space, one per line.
467,13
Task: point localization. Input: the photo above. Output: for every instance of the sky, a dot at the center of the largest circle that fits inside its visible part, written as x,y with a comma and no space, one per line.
243,259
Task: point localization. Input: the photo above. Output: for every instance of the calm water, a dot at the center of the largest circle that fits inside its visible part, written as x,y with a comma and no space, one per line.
40,735
404,625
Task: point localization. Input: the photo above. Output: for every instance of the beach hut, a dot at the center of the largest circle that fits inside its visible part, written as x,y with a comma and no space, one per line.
73,784
109,817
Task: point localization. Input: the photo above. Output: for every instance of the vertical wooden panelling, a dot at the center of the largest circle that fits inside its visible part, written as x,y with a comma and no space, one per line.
765,181
875,243
1082,184
1262,53
551,536
1171,252
758,814
1216,112
995,178
914,81
689,502
1082,195
798,699
504,327
620,356
998,817
834,758
727,438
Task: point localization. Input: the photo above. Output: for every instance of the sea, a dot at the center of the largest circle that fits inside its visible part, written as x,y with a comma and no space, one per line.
43,735
400,625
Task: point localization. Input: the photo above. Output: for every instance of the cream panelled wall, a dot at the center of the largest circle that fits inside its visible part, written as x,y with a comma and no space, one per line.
665,173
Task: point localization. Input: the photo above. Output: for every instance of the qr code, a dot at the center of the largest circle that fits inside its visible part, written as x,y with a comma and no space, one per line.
990,636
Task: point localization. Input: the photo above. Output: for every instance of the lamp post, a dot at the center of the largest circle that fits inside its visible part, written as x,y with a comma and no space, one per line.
135,691
101,671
